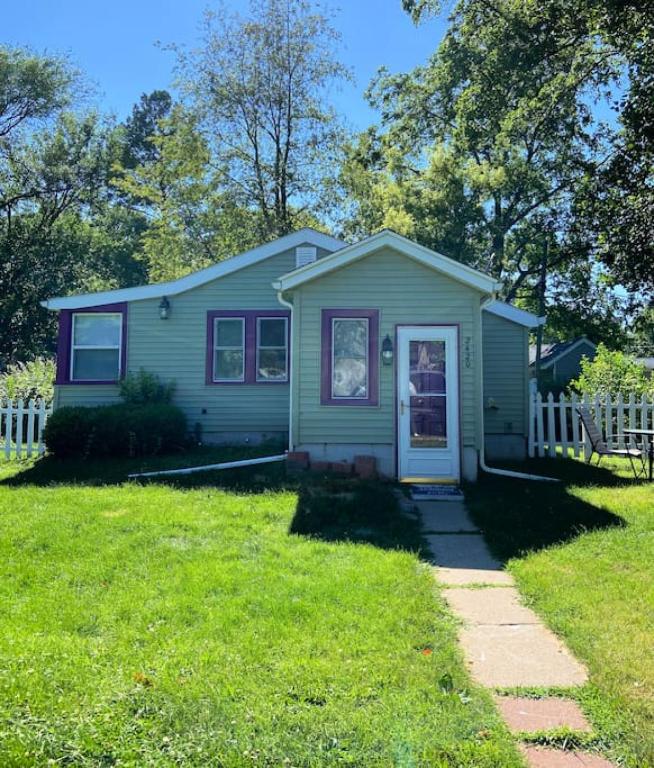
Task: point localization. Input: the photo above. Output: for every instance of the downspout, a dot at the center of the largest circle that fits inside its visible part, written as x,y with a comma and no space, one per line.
482,457
291,352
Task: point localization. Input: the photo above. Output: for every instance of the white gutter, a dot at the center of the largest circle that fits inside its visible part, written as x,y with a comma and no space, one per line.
223,465
482,456
291,352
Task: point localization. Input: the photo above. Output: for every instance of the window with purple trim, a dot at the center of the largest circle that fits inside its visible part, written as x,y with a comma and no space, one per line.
247,347
95,346
350,365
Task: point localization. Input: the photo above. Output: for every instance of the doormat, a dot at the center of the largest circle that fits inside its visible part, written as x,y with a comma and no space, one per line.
436,493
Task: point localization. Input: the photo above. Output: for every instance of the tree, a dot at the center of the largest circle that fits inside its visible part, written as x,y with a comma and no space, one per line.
612,373
191,221
52,164
142,126
616,204
495,132
259,88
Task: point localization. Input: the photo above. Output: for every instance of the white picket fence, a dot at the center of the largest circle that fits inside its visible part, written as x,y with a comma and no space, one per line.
555,428
21,428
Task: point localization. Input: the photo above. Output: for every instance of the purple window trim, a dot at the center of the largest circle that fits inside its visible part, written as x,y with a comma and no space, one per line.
372,315
65,343
250,316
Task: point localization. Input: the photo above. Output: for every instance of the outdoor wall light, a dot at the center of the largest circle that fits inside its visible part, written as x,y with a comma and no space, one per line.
387,351
164,308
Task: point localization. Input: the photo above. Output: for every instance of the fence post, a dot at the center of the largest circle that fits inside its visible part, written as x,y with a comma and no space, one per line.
563,424
587,448
551,429
9,423
41,426
576,442
30,428
19,428
608,403
531,438
620,421
539,424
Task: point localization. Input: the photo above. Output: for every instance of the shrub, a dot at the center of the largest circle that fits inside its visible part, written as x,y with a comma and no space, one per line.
34,379
116,430
612,373
143,387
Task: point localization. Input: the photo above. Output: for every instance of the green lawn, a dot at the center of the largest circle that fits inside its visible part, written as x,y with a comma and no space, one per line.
264,623
583,554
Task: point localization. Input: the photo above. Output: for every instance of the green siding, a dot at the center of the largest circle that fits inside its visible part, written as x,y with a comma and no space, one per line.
506,364
175,349
568,366
405,293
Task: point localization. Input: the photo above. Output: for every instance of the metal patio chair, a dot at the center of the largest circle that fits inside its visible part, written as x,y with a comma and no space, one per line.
598,444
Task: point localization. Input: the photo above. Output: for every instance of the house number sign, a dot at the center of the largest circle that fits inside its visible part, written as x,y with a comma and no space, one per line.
467,351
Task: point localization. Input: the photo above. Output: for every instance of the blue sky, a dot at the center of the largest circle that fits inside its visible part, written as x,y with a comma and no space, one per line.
114,43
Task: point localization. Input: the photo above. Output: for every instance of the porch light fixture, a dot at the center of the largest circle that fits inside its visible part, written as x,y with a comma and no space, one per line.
387,351
164,308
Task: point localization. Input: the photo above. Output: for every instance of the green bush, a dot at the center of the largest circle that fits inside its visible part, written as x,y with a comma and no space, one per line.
612,373
116,430
34,379
143,387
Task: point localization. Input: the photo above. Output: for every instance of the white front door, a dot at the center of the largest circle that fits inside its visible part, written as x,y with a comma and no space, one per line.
428,403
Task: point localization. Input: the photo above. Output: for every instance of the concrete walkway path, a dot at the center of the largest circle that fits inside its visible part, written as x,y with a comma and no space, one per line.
505,643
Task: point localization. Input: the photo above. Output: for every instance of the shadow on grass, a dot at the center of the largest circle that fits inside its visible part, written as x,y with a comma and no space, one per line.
330,507
518,516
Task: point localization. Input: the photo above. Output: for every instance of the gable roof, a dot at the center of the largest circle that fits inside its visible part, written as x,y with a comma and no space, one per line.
515,315
550,353
225,267
387,238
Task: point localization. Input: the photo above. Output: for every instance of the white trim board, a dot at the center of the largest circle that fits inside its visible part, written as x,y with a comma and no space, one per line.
195,279
515,315
387,238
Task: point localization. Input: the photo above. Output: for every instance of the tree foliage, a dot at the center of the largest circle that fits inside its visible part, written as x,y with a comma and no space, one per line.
483,146
612,373
259,87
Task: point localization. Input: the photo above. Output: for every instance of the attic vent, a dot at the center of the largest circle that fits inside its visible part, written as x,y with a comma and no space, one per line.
305,254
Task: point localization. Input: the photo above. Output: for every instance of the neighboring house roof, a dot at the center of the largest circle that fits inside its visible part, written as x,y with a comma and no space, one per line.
305,235
519,316
387,238
550,353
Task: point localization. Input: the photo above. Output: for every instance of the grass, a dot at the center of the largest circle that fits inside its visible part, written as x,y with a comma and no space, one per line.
239,619
582,552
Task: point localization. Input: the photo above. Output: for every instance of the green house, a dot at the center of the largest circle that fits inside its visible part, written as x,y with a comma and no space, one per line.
383,348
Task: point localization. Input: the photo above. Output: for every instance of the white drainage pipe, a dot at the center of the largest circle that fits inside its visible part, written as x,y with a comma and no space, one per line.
207,467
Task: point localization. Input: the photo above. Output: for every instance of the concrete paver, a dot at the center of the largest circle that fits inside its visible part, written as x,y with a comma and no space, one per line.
454,550
521,655
450,577
490,606
547,757
527,715
445,517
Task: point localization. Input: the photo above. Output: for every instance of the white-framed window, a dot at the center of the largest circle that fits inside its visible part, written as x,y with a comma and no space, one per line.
272,349
96,343
229,349
350,368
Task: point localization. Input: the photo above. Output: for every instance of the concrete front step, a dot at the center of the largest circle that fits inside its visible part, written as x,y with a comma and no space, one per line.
526,715
548,757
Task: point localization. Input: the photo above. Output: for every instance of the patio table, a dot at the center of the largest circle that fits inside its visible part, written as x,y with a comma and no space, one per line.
648,435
